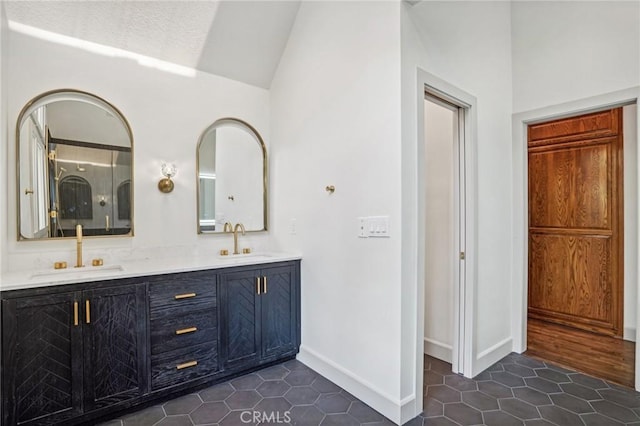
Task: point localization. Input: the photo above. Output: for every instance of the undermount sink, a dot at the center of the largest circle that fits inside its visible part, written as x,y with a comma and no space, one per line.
71,272
242,256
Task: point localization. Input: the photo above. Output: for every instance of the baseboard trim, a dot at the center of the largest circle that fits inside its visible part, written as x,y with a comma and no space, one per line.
394,409
629,334
495,353
438,349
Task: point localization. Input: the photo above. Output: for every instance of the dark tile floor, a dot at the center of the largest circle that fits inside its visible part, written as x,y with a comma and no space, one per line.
288,393
518,390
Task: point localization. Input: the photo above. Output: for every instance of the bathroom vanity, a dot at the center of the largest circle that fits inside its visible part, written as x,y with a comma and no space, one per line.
81,347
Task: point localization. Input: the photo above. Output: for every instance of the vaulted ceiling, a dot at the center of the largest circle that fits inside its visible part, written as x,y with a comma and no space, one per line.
241,40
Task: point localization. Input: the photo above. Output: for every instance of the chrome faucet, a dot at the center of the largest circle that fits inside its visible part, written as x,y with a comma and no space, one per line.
235,237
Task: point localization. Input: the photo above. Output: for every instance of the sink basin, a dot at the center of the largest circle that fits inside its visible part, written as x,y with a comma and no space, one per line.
72,272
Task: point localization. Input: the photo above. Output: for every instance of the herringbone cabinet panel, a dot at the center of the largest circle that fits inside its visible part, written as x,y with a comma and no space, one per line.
113,344
241,312
278,312
259,314
45,342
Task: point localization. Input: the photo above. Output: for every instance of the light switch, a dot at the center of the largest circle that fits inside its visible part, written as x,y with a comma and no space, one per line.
379,226
373,227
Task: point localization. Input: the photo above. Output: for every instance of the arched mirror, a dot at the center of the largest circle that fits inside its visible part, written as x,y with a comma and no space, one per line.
232,177
74,154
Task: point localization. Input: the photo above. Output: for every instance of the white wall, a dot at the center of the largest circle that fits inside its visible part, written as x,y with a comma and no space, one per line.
571,57
336,121
167,113
467,44
439,248
3,132
566,50
630,147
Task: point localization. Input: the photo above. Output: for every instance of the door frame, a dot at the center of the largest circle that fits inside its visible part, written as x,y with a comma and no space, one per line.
520,260
464,304
458,209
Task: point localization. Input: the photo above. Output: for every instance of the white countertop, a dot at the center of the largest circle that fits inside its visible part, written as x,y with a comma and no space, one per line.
49,277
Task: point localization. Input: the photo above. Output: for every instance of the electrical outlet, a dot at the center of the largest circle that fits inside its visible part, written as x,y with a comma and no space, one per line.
292,227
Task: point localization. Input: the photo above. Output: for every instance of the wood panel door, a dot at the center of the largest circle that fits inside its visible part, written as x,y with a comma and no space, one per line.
576,221
115,349
42,360
239,318
279,311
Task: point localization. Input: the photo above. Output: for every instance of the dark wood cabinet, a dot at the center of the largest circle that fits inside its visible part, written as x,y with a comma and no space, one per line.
41,360
260,315
183,328
280,311
114,344
240,310
74,353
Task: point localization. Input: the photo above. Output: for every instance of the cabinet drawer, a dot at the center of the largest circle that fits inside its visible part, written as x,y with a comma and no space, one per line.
181,294
179,366
184,330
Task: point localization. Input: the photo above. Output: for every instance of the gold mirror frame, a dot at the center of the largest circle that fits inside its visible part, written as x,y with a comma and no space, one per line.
66,95
236,122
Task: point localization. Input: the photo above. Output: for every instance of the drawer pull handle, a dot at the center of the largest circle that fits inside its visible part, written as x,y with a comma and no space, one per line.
186,365
184,296
258,285
264,280
186,330
87,312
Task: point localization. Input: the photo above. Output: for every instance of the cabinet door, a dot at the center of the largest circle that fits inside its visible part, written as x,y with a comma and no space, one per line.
239,319
279,304
115,345
42,359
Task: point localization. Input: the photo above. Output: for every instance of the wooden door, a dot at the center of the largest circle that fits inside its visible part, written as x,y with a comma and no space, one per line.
576,222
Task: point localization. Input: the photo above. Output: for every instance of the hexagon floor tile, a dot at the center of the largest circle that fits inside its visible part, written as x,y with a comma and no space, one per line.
517,390
286,394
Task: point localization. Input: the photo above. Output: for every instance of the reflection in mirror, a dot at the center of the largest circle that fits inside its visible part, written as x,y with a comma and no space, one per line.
232,177
74,167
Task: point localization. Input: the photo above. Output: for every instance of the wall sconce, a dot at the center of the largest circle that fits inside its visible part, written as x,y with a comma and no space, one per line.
166,184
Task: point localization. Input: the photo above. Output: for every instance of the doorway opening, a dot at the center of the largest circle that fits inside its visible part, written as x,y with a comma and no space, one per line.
444,131
582,232
459,109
